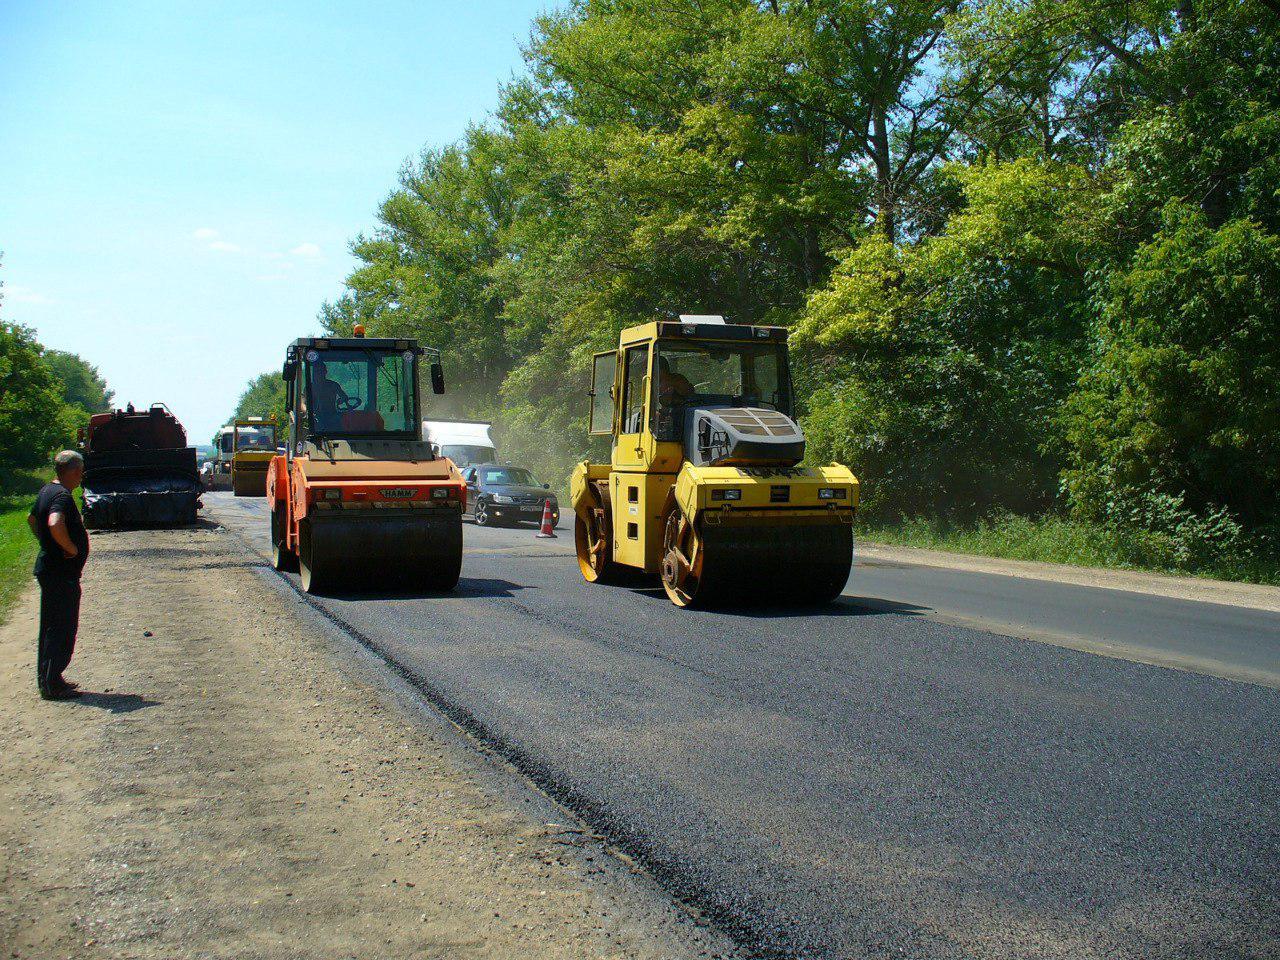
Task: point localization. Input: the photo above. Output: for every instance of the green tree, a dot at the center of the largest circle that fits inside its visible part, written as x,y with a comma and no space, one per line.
34,419
264,397
938,368
1182,400
82,385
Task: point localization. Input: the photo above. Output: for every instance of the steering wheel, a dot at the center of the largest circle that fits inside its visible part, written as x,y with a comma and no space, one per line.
344,403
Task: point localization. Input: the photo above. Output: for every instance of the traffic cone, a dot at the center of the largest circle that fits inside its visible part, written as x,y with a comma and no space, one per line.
546,530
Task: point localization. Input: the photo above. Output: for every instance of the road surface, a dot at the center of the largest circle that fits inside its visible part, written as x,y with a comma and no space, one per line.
873,779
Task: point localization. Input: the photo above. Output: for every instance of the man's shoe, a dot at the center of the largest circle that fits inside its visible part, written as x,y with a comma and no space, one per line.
61,693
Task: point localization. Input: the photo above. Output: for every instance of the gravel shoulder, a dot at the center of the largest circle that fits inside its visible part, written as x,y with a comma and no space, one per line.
236,785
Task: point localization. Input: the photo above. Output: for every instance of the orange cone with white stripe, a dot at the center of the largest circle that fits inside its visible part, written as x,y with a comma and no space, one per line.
547,530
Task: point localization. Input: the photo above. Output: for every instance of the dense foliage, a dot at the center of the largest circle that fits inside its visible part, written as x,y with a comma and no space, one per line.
264,397
81,384
35,418
1028,248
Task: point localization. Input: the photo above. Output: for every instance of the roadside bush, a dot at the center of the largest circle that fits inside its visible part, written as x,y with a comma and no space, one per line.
937,369
1177,417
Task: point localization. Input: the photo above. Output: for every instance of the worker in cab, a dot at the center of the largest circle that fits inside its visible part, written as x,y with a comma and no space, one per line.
330,399
673,387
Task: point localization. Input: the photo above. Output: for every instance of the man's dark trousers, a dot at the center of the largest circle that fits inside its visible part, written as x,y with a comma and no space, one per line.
59,620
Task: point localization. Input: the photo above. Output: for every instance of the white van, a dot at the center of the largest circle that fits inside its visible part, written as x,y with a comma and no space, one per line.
463,441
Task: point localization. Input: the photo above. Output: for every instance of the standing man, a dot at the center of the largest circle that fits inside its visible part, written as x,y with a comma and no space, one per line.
64,546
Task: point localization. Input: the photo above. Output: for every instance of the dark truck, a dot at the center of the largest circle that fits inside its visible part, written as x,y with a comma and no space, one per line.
138,470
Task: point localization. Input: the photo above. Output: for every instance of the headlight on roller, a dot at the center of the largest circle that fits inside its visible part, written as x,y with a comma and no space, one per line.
332,493
833,493
440,493
731,493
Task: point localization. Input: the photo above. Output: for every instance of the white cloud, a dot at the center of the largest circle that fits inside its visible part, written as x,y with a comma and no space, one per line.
308,250
16,294
205,233
223,247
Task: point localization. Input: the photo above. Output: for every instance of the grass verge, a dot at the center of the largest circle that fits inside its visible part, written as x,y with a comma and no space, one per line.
17,550
1053,539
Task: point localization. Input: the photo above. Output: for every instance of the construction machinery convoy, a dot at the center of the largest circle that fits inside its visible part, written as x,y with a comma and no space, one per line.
359,497
704,487
138,470
253,440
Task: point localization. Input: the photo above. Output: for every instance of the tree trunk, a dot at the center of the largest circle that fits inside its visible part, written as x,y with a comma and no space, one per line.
886,200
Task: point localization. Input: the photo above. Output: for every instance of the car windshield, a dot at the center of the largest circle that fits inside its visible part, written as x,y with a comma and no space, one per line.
463,455
256,438
509,476
361,391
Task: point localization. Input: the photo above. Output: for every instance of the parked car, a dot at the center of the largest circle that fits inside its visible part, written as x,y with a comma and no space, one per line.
500,493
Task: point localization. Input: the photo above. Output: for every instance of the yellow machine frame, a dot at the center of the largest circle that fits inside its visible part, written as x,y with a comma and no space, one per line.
623,508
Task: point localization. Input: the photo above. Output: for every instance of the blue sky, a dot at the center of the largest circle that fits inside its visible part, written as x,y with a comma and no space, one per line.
179,181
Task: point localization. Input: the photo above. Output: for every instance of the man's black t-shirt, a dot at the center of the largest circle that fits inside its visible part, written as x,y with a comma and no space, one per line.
52,562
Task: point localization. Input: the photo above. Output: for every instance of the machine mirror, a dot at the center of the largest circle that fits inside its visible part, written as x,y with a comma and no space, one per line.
546,486
437,377
290,368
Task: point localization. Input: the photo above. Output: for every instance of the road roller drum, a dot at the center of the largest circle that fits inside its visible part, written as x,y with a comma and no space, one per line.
349,550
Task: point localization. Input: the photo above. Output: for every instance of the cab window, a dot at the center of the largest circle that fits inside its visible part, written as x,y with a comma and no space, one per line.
602,372
361,391
698,374
636,366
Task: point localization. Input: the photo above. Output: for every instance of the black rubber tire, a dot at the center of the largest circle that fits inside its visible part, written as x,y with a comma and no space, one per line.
313,580
282,558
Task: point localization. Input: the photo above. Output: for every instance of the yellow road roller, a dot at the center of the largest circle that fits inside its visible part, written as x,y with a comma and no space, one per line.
254,442
706,489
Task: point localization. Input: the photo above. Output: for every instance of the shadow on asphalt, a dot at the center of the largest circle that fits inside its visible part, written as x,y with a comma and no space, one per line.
843,607
467,587
487,587
114,702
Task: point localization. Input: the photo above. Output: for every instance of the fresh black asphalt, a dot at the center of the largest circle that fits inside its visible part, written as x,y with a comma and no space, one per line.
1236,642
855,781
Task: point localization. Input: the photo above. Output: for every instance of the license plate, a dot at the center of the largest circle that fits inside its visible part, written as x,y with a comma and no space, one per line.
537,510
398,493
